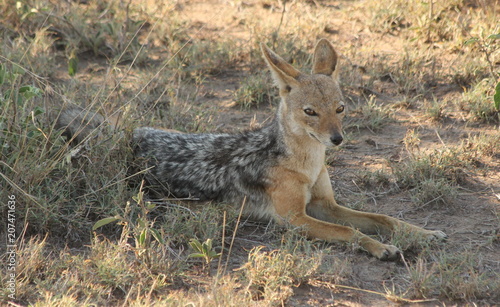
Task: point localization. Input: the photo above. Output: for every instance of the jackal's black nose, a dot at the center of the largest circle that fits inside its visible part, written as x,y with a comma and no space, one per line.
337,139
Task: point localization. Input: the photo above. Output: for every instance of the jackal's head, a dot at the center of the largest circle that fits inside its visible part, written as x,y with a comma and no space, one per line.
312,105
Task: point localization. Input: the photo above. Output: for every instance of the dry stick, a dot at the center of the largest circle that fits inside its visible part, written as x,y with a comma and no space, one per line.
148,297
33,41
388,297
429,202
234,233
279,26
14,105
18,188
223,238
114,183
128,296
440,139
431,13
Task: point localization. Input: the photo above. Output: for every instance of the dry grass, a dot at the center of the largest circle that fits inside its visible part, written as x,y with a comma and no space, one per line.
411,71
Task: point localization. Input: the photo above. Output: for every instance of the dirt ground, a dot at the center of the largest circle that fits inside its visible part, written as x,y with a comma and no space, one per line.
471,220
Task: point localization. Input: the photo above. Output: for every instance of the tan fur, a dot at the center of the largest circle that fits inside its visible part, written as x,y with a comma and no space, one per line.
279,169
301,190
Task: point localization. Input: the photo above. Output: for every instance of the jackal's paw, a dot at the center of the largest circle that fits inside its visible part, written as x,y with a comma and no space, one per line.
387,253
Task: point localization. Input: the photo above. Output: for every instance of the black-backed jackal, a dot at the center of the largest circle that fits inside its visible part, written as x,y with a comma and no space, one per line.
278,169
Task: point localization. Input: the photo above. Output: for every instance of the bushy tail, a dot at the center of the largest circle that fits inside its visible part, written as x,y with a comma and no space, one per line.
79,124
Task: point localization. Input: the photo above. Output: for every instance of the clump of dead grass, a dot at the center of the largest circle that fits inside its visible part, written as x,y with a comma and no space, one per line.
256,90
434,176
62,195
271,275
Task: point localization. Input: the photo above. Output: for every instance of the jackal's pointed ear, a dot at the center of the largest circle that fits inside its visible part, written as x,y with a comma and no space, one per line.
284,74
325,59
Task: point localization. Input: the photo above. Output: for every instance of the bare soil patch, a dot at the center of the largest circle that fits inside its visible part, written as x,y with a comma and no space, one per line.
417,99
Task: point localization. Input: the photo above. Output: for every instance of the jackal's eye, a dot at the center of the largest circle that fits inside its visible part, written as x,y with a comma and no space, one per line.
310,112
340,109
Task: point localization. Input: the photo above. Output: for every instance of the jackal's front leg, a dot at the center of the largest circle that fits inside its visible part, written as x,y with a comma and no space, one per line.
324,207
289,198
